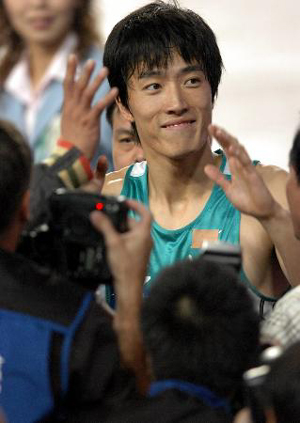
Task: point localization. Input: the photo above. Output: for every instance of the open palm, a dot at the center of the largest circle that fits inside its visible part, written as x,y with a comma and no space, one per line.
246,191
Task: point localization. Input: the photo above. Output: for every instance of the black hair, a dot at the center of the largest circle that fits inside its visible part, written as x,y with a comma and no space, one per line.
15,171
109,112
282,386
149,36
199,325
295,155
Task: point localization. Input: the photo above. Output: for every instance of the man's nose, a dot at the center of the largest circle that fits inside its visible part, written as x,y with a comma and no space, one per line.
175,100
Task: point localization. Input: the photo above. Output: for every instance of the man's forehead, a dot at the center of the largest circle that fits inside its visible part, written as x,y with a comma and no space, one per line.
145,69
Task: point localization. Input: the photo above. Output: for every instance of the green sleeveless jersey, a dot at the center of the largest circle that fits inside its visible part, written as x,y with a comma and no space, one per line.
170,246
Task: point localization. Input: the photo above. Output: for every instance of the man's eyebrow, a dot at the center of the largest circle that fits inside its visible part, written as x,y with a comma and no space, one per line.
156,72
150,73
191,68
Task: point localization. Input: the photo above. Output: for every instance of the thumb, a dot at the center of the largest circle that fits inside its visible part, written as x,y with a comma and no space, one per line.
100,171
101,168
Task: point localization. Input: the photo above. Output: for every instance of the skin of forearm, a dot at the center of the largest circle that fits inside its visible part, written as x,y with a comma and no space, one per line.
280,229
128,329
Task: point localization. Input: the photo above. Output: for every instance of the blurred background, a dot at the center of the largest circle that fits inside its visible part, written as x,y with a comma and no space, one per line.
259,95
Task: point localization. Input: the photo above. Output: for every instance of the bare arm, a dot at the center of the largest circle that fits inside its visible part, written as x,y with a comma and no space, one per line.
259,192
128,255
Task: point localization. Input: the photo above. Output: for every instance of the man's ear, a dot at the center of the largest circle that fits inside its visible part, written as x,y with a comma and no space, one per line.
24,209
125,112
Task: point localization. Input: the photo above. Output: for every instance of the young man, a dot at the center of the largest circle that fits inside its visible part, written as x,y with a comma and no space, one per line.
168,80
126,148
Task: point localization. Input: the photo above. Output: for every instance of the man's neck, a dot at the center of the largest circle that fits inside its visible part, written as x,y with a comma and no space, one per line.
172,181
179,190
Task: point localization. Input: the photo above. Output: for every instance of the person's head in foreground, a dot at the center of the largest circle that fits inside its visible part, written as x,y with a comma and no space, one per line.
199,326
15,172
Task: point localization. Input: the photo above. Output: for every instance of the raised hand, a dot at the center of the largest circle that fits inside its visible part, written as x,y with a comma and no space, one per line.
128,252
247,190
80,119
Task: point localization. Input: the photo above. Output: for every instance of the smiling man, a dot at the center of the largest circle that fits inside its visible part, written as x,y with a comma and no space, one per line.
167,66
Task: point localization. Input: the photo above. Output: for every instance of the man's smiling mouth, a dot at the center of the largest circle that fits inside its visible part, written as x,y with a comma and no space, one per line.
178,124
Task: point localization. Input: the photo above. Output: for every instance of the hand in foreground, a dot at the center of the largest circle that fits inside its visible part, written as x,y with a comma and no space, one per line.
247,191
128,253
80,122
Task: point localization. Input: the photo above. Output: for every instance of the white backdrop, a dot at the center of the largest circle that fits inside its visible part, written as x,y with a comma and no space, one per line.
259,96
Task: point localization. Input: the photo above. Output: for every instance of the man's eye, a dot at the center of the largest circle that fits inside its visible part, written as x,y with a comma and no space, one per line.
152,87
193,82
126,140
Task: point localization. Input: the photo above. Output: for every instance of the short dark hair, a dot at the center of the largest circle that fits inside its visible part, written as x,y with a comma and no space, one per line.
199,325
15,171
295,155
282,386
109,112
148,37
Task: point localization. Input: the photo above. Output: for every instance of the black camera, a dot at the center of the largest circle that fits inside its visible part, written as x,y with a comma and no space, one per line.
67,243
254,380
223,253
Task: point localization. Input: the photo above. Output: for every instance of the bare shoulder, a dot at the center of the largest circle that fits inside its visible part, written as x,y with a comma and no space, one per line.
114,182
275,179
270,173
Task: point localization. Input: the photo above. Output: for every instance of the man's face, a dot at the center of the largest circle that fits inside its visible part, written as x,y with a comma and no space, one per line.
126,149
171,109
293,197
